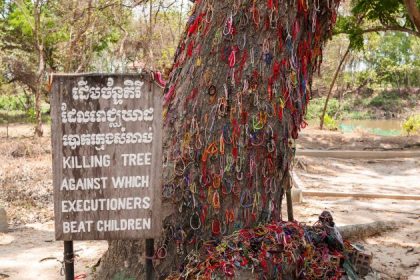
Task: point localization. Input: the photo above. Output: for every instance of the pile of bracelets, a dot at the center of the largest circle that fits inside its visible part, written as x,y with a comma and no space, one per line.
269,252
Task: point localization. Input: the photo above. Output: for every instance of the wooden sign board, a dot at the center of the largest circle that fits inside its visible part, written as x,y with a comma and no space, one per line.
107,156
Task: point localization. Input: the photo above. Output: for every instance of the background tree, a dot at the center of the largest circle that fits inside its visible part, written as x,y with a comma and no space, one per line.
152,48
82,36
41,37
235,101
25,34
394,59
373,16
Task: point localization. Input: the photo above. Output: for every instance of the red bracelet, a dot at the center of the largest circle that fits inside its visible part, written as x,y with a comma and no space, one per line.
215,227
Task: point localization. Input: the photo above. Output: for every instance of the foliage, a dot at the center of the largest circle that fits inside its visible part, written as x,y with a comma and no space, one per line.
351,108
71,32
386,100
330,123
317,104
392,60
31,114
360,106
357,115
378,60
87,36
388,60
388,12
12,102
372,16
394,57
147,42
39,37
351,27
412,125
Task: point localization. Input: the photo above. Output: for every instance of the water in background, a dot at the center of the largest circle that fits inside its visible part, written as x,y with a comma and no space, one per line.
390,127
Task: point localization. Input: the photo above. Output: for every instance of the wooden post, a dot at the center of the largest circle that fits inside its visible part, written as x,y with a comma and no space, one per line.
68,260
290,217
149,258
289,206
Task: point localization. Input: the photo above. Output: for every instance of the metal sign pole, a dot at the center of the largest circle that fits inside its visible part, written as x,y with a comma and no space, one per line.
149,258
68,260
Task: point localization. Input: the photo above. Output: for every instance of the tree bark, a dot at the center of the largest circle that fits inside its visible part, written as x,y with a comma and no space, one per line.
41,69
414,12
235,102
387,28
39,131
360,231
324,111
150,30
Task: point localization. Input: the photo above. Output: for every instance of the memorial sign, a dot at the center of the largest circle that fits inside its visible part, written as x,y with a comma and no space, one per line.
107,156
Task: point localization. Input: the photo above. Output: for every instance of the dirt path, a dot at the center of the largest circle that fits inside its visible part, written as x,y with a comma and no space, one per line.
26,193
312,138
396,176
30,252
396,253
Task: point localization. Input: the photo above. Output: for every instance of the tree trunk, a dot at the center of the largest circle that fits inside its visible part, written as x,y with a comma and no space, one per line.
38,93
41,69
324,111
150,30
39,131
235,101
413,12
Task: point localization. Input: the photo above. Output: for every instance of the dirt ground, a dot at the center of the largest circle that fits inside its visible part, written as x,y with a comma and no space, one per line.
396,253
313,138
29,251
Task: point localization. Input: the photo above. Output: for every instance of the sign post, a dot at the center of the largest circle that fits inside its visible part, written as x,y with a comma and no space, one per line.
149,258
68,260
107,157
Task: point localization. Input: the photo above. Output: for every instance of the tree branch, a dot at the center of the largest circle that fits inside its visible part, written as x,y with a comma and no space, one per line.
391,28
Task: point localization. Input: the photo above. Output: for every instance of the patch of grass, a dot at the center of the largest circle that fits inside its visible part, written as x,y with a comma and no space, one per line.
22,116
12,116
412,125
330,123
17,109
12,102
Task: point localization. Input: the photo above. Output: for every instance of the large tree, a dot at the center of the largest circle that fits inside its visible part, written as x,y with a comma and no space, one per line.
235,102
